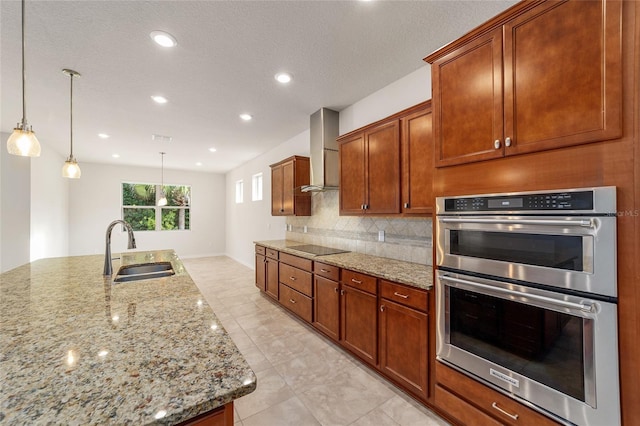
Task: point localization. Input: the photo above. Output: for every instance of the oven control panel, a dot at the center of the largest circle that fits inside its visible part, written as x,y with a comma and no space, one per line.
548,201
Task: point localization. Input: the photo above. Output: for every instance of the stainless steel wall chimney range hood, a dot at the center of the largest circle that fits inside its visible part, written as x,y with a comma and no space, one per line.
324,151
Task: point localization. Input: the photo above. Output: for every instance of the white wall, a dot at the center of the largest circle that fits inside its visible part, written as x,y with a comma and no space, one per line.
15,200
49,206
252,220
94,202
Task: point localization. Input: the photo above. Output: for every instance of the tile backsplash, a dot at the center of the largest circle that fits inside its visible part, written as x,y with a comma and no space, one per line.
408,239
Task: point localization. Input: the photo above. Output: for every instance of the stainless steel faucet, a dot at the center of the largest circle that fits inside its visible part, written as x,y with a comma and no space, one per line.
108,269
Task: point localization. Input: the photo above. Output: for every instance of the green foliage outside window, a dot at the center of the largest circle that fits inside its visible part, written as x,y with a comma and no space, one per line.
139,207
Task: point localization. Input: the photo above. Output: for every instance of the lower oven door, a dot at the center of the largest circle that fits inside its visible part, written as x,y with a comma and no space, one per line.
555,352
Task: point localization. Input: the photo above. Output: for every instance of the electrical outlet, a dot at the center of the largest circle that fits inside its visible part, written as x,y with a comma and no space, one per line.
304,229
380,235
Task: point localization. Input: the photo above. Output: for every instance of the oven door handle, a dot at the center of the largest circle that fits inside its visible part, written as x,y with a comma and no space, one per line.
584,223
579,306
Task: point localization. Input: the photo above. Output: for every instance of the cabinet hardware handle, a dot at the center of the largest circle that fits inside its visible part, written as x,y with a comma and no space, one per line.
496,143
324,270
381,308
292,278
341,292
507,142
281,210
335,289
404,296
361,206
292,301
406,205
356,281
366,206
513,416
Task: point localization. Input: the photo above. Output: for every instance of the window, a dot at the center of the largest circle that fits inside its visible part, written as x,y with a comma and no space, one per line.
239,191
140,210
256,187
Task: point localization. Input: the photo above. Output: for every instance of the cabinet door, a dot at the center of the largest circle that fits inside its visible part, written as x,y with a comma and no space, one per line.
326,307
563,75
271,285
382,146
277,180
359,323
417,163
467,102
261,271
288,185
404,346
352,175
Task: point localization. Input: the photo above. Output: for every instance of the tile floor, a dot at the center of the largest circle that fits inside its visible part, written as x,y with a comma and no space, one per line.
303,378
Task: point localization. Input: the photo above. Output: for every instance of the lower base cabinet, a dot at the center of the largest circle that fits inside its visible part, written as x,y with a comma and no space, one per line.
359,323
404,346
271,284
469,402
326,306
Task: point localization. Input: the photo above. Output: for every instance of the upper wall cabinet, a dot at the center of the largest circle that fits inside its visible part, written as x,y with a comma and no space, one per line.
546,75
287,177
385,167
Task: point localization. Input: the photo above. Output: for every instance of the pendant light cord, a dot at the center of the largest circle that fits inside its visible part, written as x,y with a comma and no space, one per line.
24,102
71,120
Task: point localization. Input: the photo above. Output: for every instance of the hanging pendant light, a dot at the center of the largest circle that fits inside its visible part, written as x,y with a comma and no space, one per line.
23,140
71,169
162,200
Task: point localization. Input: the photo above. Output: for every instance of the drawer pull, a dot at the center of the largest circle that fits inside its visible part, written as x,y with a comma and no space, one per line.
356,281
292,278
324,270
292,301
513,416
404,296
381,308
336,289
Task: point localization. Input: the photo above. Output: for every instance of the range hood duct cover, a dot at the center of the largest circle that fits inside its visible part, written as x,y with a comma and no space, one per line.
323,126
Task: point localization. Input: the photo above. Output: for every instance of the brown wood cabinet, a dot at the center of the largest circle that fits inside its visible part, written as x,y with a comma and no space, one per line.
222,416
404,341
416,142
548,77
287,177
326,301
359,316
471,403
261,267
271,283
296,286
370,170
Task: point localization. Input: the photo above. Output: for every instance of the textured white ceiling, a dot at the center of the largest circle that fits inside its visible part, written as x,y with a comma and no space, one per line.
227,55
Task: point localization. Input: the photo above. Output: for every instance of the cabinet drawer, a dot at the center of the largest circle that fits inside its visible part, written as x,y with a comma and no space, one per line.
296,302
412,297
298,262
296,278
487,400
360,281
461,410
328,271
272,253
261,250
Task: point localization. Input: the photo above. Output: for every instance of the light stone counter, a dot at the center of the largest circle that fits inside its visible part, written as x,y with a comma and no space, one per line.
76,348
412,274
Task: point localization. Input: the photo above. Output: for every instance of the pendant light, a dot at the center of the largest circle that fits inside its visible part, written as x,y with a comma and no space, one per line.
23,140
70,169
162,200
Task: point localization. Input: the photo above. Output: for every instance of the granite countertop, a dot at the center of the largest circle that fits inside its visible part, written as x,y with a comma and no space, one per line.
76,348
412,274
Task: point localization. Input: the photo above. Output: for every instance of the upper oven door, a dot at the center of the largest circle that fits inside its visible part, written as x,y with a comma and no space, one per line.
577,252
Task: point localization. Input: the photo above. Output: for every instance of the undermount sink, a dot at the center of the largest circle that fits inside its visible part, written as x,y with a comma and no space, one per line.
144,271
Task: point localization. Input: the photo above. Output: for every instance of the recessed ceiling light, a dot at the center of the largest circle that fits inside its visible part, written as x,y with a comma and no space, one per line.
162,38
246,117
103,136
284,77
198,164
159,99
212,149
115,155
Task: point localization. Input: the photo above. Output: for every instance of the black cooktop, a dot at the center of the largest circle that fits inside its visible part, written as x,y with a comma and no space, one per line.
317,250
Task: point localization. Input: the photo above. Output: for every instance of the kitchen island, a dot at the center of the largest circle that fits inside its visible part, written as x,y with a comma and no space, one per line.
78,348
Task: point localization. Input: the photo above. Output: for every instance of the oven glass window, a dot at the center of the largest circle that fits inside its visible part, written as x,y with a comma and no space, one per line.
541,344
553,251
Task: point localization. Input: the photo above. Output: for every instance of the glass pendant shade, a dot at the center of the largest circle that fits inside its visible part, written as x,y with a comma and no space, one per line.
70,169
23,142
162,201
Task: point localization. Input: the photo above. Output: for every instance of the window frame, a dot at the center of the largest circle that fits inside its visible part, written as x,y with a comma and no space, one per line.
257,183
158,210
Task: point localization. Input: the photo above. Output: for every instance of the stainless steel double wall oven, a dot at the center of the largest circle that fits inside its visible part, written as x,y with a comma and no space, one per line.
527,298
